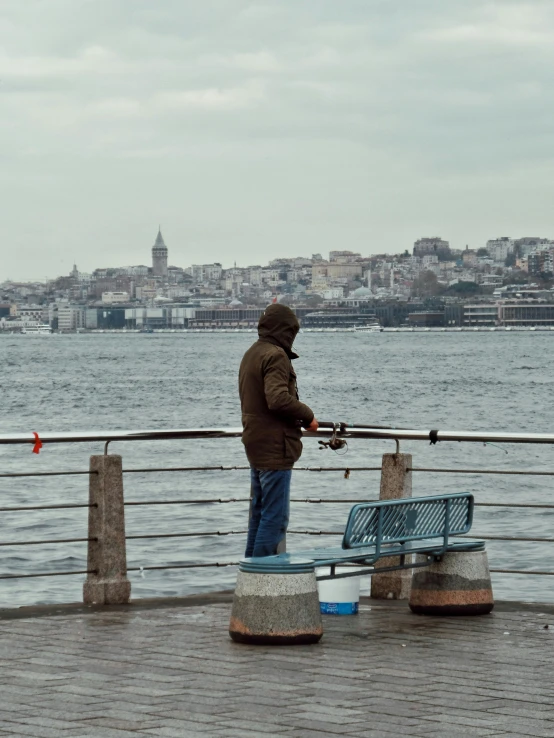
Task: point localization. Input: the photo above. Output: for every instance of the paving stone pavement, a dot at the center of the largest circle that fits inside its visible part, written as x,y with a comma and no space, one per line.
170,669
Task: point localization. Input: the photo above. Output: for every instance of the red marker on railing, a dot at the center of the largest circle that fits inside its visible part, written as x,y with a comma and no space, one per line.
38,444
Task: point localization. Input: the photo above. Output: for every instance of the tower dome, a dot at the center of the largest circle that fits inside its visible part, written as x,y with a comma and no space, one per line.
159,256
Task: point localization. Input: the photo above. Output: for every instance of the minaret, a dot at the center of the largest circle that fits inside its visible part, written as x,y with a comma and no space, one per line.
159,256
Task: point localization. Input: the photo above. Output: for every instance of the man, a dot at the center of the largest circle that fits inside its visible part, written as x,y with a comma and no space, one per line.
272,418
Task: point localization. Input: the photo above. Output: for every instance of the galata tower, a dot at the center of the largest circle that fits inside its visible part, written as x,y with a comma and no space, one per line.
159,256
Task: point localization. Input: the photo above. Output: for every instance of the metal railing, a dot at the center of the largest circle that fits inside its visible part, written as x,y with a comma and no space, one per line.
338,432
326,430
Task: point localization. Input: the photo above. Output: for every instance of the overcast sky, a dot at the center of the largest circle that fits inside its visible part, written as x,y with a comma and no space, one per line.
253,129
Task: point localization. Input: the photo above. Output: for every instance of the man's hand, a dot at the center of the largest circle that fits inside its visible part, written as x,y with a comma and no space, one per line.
314,425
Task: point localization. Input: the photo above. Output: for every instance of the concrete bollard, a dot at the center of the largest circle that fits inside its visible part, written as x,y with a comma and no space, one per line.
276,607
396,483
458,584
106,523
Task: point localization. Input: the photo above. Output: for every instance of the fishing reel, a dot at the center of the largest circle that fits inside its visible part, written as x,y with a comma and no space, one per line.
335,443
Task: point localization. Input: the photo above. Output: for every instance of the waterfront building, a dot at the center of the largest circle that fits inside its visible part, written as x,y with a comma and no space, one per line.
427,318
525,314
394,314
483,314
71,317
27,312
227,318
181,316
105,318
340,319
159,256
453,314
144,317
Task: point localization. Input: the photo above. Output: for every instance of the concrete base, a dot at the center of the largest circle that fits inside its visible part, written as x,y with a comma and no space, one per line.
276,609
106,591
393,586
459,584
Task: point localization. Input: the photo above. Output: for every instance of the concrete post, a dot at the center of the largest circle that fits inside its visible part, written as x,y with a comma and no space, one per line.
396,482
106,523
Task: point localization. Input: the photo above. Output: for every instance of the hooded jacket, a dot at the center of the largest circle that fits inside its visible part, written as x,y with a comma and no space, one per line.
272,414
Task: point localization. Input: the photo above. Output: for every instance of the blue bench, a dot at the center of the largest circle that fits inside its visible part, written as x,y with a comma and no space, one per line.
375,530
276,599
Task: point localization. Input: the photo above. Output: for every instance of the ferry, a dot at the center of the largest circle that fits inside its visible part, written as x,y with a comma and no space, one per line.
36,330
369,328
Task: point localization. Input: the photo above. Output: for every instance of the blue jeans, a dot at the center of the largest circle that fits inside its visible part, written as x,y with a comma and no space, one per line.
269,512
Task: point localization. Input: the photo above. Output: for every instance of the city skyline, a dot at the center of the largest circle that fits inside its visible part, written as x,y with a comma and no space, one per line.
280,127
429,287
151,257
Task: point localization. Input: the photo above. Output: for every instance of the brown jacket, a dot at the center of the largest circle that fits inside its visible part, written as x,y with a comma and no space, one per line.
272,415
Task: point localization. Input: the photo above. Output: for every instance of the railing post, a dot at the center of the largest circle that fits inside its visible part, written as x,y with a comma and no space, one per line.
106,524
396,482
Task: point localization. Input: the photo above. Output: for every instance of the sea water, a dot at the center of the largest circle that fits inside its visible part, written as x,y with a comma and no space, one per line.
454,381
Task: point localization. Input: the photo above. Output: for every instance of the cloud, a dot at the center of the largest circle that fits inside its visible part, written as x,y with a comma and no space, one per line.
504,24
280,126
210,99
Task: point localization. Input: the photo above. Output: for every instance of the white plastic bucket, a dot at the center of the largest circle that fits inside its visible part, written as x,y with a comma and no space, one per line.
338,596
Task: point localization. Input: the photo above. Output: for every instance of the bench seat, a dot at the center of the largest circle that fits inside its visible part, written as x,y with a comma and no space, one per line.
430,546
324,557
383,529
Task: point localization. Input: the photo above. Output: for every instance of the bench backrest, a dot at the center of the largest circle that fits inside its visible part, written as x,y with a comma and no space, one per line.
399,521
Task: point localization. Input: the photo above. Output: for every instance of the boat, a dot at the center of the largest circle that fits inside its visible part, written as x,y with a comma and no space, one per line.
369,328
41,329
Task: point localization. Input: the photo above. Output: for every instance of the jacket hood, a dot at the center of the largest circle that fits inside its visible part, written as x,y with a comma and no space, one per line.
279,325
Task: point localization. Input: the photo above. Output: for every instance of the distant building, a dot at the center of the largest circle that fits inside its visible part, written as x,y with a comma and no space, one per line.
539,262
453,314
112,297
27,312
525,314
336,270
429,260
206,272
71,317
500,248
238,317
427,318
159,257
434,245
528,244
469,257
344,257
339,318
481,314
